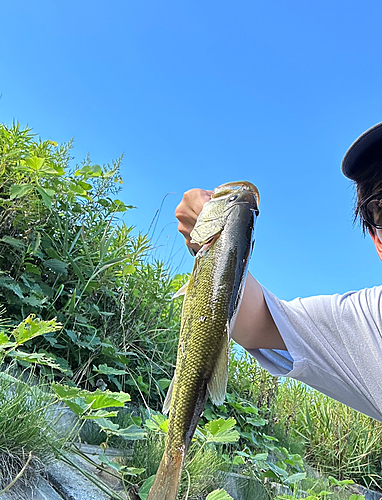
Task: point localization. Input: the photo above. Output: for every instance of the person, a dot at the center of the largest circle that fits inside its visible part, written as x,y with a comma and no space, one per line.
331,342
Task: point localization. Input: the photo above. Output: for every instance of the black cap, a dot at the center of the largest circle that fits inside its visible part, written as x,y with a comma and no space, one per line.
363,153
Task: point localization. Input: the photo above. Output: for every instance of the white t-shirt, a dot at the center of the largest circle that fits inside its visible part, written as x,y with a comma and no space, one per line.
334,344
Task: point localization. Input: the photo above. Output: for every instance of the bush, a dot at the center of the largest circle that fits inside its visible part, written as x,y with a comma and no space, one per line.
65,253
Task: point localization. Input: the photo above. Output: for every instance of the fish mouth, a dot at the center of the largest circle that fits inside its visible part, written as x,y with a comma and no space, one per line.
230,188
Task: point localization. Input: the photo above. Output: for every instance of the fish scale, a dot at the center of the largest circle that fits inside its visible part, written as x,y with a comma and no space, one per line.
224,230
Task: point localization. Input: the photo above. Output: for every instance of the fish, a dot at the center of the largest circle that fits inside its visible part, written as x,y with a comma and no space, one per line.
224,231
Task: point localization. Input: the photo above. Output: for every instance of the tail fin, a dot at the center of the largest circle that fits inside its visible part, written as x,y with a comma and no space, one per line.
167,479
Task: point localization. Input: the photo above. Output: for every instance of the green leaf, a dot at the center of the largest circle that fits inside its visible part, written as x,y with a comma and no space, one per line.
59,170
57,266
77,405
145,488
219,495
31,268
133,432
14,242
4,339
294,478
97,399
77,189
20,190
34,163
137,420
163,383
65,392
46,169
36,358
110,463
133,471
260,456
278,471
5,342
96,170
118,206
33,327
34,301
45,197
108,370
128,269
221,431
106,399
101,414
107,425
157,423
85,185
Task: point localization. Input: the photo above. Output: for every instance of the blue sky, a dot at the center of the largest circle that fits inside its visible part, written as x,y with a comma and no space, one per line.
200,93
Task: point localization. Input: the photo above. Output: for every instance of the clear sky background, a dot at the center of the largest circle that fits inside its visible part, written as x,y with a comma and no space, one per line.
200,93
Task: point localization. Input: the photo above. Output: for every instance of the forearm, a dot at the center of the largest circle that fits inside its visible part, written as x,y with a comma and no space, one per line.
254,327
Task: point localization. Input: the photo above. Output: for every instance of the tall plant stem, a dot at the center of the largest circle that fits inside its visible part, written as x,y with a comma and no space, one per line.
18,475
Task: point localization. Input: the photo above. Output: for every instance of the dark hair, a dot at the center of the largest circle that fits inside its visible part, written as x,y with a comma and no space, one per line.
367,183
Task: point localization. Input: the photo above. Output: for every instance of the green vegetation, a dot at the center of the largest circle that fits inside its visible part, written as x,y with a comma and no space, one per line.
87,307
26,414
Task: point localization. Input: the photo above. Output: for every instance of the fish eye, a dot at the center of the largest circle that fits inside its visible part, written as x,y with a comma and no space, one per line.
232,198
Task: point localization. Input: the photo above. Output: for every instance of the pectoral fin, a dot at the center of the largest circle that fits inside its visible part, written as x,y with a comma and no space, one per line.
167,401
182,291
217,386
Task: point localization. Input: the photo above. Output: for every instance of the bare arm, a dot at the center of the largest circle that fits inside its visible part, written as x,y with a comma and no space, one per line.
254,328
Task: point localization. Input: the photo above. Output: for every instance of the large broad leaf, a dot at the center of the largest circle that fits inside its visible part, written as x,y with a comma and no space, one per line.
108,370
105,399
219,495
77,405
104,459
157,423
221,431
133,432
57,266
97,399
20,190
89,171
294,478
101,414
65,392
35,358
33,327
34,163
107,425
5,342
19,244
32,269
45,197
34,301
10,284
145,488
260,457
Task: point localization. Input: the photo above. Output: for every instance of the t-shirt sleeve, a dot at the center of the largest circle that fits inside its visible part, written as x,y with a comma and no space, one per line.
334,344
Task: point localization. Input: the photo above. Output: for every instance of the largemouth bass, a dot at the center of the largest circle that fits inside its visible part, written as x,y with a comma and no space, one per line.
224,230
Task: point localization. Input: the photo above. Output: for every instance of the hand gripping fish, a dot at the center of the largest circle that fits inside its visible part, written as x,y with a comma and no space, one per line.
224,230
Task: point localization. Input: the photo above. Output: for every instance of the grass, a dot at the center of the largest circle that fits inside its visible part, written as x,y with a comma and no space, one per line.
338,440
25,426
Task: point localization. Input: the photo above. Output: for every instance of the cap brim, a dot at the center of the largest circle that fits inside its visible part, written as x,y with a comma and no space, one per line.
363,153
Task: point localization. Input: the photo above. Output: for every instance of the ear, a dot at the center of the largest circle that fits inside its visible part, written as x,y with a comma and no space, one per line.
377,242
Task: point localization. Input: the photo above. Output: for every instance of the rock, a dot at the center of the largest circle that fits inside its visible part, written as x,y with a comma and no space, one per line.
72,485
41,490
